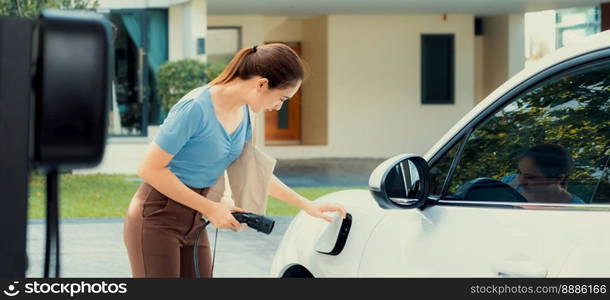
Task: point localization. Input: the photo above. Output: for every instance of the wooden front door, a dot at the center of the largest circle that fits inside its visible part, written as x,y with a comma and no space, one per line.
284,126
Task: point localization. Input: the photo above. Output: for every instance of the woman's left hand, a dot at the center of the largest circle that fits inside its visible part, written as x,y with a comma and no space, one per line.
318,210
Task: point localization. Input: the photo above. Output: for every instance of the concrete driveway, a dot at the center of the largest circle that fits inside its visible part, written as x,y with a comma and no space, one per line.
94,248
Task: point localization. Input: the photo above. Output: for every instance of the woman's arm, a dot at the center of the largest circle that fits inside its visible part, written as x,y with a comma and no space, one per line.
154,171
281,191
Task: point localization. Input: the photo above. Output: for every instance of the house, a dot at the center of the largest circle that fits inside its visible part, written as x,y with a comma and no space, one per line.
387,77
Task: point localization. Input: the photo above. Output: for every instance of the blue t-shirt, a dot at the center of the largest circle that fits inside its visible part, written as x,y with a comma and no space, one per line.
201,146
508,178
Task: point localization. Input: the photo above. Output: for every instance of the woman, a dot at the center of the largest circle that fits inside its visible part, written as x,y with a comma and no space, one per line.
542,175
201,136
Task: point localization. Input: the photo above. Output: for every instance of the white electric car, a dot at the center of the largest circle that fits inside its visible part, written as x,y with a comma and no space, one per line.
519,187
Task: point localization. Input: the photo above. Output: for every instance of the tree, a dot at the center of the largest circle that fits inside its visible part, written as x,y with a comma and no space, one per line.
31,8
571,111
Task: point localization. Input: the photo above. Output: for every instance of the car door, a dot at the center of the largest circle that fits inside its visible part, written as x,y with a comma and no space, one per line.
521,191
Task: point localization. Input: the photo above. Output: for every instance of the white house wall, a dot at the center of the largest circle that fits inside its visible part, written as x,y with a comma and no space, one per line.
516,44
314,109
479,65
176,24
252,26
374,105
187,23
373,87
503,49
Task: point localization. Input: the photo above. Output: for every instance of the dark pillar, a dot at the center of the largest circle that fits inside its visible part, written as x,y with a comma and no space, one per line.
15,58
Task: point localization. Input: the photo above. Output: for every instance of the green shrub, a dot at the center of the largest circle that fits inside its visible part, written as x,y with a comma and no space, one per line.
213,70
177,78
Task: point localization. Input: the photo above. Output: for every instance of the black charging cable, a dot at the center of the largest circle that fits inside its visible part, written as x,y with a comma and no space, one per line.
52,238
196,247
254,221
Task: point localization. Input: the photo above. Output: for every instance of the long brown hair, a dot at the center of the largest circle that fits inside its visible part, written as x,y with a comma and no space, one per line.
277,62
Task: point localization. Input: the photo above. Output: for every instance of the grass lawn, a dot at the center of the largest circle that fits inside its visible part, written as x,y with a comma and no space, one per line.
91,196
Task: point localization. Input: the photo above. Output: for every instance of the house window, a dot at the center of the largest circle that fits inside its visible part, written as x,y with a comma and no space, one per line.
437,68
140,48
223,43
574,24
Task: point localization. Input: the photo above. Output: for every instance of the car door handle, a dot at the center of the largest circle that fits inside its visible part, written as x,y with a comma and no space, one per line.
519,268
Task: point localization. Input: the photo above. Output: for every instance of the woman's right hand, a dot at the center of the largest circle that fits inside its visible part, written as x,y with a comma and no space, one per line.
221,216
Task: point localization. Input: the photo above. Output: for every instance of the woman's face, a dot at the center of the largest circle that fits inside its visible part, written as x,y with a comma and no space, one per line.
533,180
266,99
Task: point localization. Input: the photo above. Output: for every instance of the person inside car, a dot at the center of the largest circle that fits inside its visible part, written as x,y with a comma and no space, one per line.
542,175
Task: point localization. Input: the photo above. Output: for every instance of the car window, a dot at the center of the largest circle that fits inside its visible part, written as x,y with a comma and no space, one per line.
549,145
440,170
601,194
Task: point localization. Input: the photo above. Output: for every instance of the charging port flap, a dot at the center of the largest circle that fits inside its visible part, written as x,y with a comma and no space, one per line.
333,238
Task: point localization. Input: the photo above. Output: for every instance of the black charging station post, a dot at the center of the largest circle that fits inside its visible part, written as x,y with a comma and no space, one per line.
55,79
52,238
15,109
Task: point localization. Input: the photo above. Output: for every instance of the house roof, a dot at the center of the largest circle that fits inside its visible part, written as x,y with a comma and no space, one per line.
326,7
330,7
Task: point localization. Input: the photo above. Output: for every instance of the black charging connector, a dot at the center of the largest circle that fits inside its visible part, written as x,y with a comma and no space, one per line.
254,221
257,222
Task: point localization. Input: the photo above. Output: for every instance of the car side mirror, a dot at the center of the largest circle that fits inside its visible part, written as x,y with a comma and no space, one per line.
402,181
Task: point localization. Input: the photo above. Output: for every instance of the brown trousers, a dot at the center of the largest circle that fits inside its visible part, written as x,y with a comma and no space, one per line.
159,234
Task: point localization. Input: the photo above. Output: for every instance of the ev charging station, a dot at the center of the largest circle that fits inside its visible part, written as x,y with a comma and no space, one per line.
55,88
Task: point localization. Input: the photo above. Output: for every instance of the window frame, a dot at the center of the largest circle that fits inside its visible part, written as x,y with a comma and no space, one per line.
145,94
597,57
239,30
424,55
592,23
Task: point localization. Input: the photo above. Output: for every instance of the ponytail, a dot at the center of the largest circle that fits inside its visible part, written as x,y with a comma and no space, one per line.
276,62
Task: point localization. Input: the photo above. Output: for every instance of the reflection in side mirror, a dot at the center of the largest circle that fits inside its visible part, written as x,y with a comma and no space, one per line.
400,182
